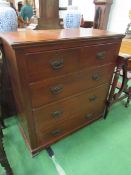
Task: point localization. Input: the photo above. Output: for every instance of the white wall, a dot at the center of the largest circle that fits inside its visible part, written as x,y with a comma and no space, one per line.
86,7
118,18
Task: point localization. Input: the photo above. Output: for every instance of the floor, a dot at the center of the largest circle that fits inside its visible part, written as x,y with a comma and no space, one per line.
102,148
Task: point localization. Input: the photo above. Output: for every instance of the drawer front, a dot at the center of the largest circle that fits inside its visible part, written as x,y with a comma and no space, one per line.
54,89
99,54
82,108
59,62
52,63
56,132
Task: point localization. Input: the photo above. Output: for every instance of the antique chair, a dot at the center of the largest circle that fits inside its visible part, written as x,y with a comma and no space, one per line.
127,87
123,80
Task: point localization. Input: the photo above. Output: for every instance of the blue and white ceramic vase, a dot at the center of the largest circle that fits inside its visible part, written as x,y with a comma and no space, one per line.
8,18
72,18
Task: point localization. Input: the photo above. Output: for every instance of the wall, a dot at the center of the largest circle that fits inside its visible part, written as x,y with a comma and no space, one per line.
118,18
86,7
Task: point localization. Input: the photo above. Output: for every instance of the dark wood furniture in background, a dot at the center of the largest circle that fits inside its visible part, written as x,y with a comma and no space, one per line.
60,79
3,158
87,24
48,14
102,11
8,107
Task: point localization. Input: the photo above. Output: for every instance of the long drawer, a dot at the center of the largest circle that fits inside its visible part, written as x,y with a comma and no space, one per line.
54,89
42,65
58,118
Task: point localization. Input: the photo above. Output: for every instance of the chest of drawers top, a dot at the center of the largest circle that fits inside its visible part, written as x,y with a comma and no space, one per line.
31,38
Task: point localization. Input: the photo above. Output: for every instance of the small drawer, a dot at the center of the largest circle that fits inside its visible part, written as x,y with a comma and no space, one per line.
60,130
47,91
99,54
51,134
52,63
80,109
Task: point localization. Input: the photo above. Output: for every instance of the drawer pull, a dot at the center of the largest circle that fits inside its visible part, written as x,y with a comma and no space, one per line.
89,116
92,98
56,132
56,89
96,76
57,64
56,114
101,55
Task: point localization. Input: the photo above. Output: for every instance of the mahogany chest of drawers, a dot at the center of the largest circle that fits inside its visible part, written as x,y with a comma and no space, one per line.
60,80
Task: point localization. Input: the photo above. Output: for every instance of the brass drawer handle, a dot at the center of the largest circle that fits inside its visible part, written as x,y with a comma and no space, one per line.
56,114
92,98
101,55
56,89
96,76
89,116
57,64
56,132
